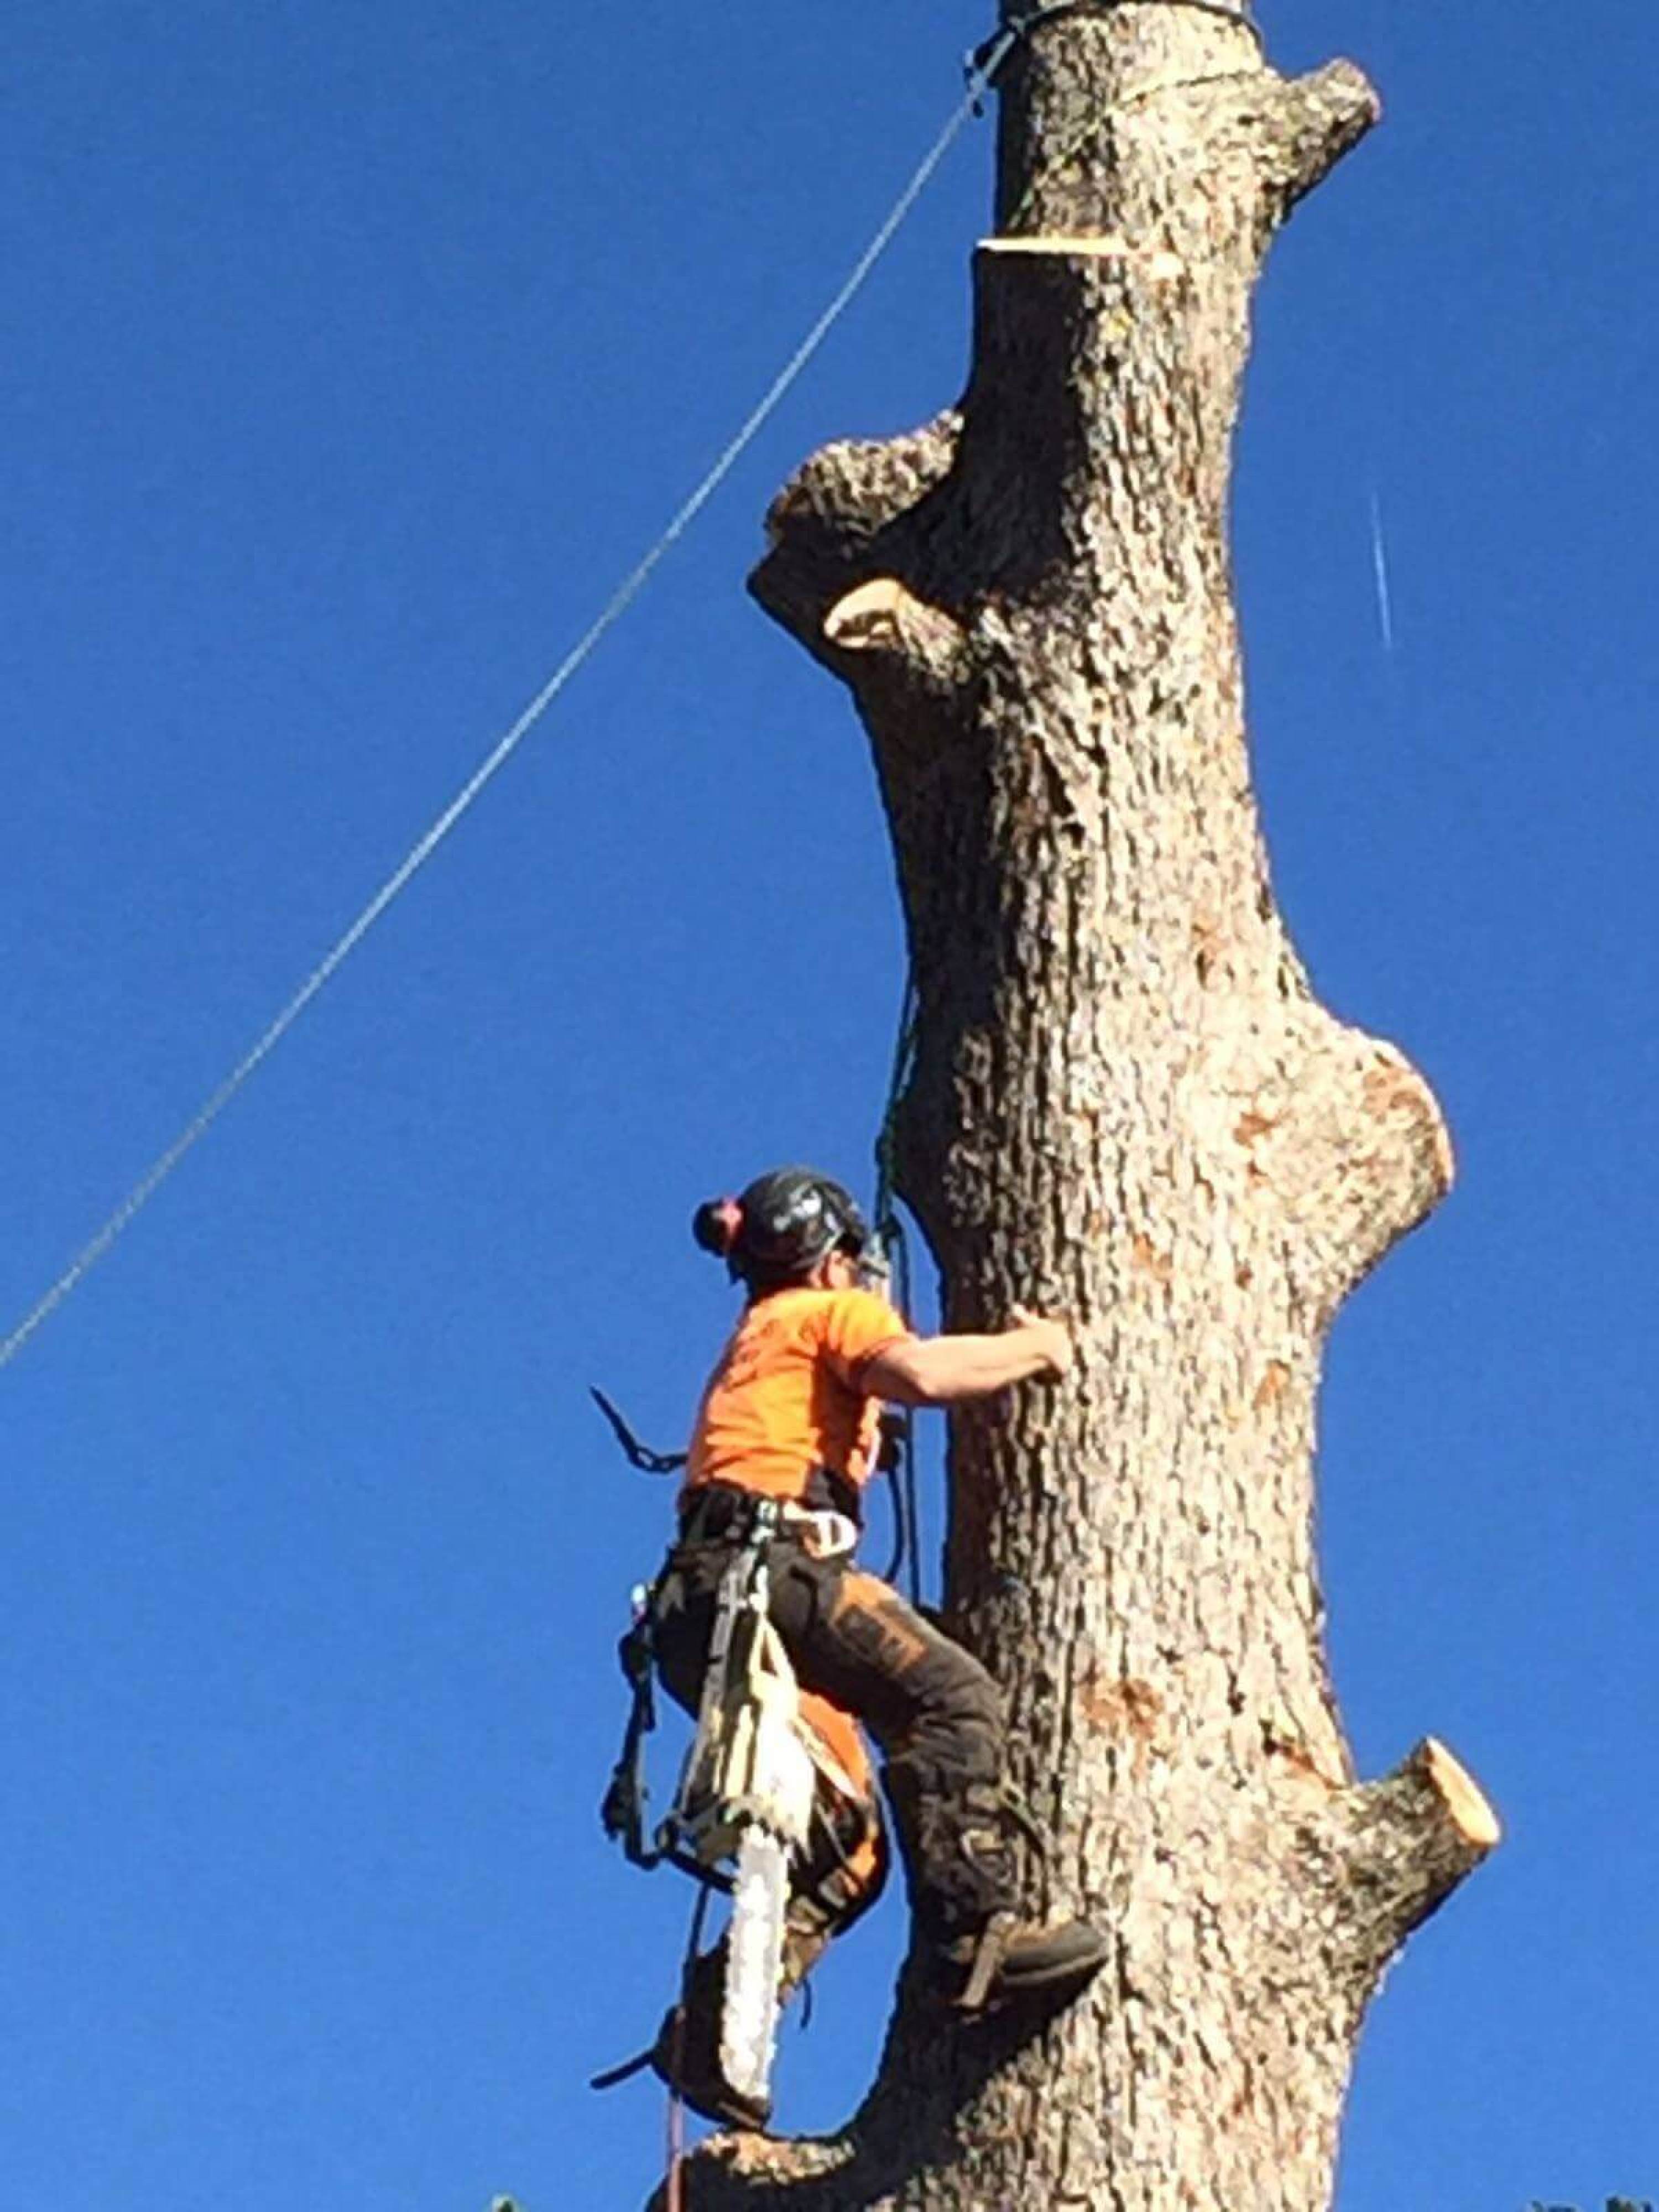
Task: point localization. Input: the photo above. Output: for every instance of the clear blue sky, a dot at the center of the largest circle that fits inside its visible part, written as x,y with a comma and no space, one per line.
348,355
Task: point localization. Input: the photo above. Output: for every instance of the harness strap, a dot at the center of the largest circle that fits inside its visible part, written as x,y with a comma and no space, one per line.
625,2072
622,1812
636,1454
993,1945
722,1512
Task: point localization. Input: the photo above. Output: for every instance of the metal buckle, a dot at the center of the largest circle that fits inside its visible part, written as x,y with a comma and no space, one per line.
823,1534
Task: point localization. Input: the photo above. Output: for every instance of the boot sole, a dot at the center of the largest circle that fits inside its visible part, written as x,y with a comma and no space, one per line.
1075,1973
755,2119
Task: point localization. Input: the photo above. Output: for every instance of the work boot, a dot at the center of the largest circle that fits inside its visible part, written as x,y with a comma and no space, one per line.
1009,1958
686,2054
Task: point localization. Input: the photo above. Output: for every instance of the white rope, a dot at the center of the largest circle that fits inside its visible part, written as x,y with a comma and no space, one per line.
979,77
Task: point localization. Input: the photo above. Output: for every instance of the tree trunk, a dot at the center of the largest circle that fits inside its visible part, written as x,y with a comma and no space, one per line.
1127,1107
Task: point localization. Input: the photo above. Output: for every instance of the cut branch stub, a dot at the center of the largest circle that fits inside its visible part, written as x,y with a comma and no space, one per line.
1316,121
1106,120
1393,1851
884,620
829,527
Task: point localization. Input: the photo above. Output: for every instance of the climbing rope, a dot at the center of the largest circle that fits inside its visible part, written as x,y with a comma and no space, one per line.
1018,27
895,1246
904,1053
982,71
675,2124
1096,129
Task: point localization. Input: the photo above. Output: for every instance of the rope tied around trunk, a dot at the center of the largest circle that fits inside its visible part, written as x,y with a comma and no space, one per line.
986,60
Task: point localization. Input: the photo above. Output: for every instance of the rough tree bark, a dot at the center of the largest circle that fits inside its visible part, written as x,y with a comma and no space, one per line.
1125,1106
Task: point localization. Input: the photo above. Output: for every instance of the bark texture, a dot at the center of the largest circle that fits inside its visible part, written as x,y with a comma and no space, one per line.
1127,1106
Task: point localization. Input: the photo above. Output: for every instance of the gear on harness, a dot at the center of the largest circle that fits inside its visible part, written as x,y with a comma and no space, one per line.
743,1810
622,1810
636,1454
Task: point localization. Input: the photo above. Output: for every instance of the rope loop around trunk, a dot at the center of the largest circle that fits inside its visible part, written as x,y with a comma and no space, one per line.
986,61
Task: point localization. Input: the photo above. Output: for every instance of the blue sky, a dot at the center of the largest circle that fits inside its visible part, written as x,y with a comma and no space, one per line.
348,356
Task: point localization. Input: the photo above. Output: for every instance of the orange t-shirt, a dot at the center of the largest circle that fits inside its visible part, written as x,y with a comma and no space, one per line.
788,1394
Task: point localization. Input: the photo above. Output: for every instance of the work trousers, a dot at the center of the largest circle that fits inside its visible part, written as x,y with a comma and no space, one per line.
860,1654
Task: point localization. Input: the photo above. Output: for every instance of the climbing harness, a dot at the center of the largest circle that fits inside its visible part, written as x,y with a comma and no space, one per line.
821,1534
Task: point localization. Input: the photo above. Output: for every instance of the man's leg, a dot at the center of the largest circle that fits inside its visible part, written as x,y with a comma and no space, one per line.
938,1716
844,1867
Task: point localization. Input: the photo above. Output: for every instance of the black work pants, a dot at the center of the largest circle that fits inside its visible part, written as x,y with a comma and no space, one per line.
929,1705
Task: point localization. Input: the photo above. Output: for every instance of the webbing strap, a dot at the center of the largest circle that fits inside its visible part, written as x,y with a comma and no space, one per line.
622,1813
988,1958
986,60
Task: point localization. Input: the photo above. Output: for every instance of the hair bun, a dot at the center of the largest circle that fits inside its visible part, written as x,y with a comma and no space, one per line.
716,1224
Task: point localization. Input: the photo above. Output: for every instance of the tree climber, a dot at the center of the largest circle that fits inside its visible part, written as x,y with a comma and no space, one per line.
791,1414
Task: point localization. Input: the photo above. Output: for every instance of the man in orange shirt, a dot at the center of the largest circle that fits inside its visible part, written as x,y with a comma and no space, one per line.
791,1414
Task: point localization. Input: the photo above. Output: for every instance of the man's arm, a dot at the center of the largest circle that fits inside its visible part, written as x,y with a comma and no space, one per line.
944,1370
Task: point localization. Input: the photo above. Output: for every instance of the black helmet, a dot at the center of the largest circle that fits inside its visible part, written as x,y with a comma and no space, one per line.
780,1227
